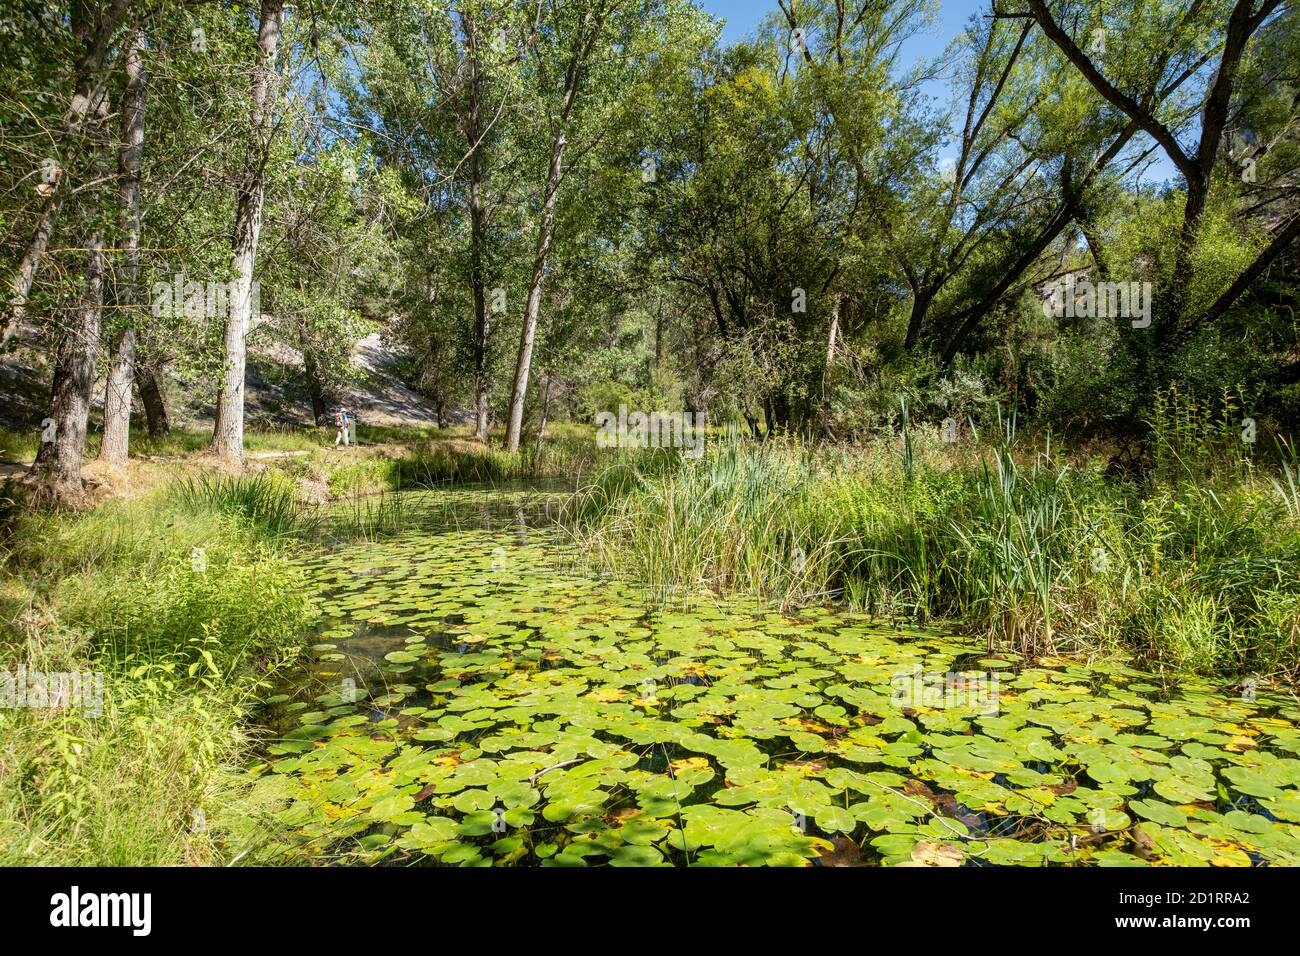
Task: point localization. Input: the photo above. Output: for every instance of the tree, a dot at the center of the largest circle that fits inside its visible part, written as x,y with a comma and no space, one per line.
455,141
1186,43
93,29
576,39
228,432
121,372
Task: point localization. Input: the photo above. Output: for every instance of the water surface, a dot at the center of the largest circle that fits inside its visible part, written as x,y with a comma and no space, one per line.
478,698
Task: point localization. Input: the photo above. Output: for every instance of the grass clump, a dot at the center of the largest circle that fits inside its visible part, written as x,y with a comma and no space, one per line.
185,647
364,476
1031,551
266,503
565,453
366,517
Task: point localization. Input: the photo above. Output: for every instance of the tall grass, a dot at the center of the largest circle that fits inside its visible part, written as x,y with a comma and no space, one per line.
366,517
185,650
1287,485
1032,552
563,455
266,503
730,521
363,476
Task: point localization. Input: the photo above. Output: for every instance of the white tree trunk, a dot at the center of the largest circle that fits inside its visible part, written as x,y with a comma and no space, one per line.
545,230
228,433
584,42
117,395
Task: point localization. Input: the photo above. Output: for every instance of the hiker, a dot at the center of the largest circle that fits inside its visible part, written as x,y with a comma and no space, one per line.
341,420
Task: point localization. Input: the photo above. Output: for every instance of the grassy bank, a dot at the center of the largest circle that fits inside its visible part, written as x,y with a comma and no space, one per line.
568,452
20,446
1197,568
385,459
185,602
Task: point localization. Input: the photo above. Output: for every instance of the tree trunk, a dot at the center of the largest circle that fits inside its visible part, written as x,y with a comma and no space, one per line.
545,229
117,395
541,428
311,373
228,433
25,275
311,369
57,469
88,91
147,378
472,128
659,336
1284,237
1092,237
969,318
1180,283
921,299
830,360
482,314
318,411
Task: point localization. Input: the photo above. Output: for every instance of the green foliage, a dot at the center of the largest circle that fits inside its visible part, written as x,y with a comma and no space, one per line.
1039,556
185,650
525,714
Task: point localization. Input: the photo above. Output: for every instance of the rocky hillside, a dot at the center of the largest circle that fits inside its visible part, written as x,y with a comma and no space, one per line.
276,395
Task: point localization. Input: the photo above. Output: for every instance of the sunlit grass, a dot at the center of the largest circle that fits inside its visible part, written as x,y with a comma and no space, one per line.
1009,543
186,648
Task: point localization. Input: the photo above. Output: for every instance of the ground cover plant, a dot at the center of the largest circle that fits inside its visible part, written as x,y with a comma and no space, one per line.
526,714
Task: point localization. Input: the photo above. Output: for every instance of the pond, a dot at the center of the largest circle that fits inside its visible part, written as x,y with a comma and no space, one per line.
478,698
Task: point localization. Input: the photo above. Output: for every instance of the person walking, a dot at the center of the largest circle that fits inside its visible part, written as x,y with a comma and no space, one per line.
341,420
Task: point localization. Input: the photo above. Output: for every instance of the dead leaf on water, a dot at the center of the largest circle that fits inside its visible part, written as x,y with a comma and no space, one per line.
843,852
929,853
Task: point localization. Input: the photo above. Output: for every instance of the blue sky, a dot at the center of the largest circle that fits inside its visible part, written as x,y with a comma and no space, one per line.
743,16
